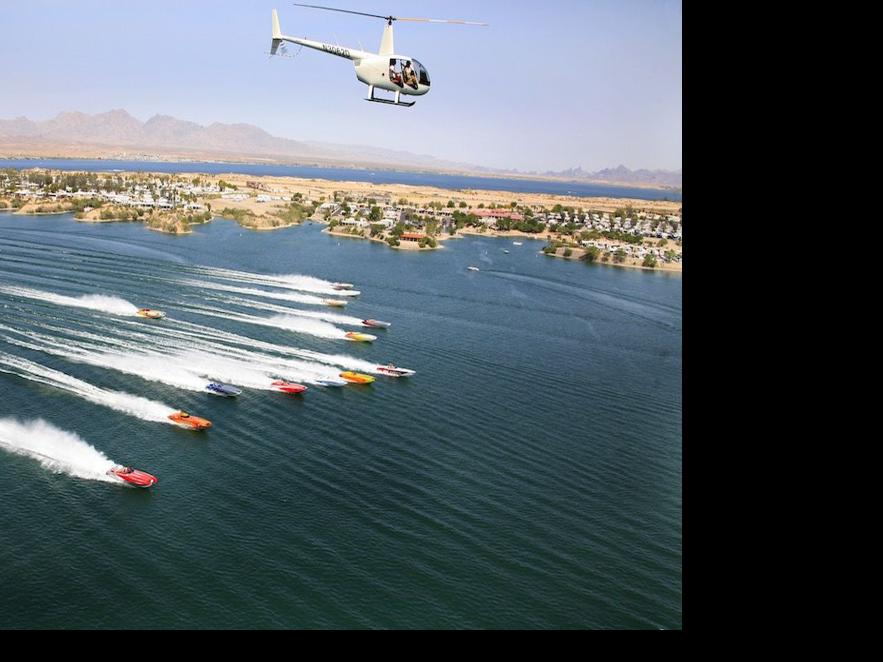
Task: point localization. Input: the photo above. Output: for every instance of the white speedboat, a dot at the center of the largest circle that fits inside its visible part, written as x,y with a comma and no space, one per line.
391,370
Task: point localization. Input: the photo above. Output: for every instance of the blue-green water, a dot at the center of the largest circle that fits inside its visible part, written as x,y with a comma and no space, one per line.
528,476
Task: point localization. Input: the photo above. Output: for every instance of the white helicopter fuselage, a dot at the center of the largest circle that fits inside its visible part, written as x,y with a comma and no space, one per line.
384,70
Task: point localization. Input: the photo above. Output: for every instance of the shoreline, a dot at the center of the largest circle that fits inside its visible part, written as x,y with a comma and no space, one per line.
362,166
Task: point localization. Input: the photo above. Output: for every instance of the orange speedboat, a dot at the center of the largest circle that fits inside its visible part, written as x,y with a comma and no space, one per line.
356,377
185,420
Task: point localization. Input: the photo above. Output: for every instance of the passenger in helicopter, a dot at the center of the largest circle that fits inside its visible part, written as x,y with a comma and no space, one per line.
394,76
409,75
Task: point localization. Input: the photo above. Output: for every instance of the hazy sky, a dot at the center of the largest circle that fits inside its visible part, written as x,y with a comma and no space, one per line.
549,85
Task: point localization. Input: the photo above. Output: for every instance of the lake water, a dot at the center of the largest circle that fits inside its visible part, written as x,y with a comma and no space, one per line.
528,476
453,182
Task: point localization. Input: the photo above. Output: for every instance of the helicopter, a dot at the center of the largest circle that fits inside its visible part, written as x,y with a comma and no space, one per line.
384,70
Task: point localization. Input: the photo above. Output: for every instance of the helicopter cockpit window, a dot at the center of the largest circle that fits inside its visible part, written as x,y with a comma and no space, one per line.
421,73
407,72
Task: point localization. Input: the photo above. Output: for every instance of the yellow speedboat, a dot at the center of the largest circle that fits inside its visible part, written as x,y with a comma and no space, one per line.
355,336
152,314
356,377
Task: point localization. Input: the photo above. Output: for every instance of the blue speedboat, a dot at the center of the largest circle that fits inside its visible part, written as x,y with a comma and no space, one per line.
223,389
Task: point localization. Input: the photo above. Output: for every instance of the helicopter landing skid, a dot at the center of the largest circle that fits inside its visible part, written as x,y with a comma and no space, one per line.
397,101
392,103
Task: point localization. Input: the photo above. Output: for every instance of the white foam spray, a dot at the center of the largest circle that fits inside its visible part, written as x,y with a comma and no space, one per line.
57,450
133,405
99,302
280,296
289,281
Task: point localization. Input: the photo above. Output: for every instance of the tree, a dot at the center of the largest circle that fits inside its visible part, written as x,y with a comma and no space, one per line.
591,254
649,261
462,205
375,214
619,256
451,203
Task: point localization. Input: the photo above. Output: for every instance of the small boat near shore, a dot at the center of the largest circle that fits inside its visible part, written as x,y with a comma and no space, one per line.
517,243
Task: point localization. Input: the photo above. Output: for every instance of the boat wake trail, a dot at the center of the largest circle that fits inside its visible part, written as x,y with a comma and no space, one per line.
57,450
100,302
133,405
280,296
289,281
285,322
313,314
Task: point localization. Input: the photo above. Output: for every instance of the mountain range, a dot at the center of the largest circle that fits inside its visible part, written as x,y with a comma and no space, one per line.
118,134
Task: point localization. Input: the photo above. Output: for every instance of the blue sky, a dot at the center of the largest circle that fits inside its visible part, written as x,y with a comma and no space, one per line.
549,85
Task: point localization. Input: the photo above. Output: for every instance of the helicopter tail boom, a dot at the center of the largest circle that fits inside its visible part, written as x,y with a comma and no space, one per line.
277,34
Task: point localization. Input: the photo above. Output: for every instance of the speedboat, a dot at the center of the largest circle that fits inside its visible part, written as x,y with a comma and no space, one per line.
355,336
332,382
376,324
356,377
506,251
335,303
133,476
224,390
185,420
152,314
472,268
342,286
391,370
516,243
288,387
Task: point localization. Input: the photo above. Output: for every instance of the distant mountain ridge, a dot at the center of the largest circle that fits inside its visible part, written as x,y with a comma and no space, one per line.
107,134
117,129
622,174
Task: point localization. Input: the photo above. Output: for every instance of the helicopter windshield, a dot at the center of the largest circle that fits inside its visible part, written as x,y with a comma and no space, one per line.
404,72
422,74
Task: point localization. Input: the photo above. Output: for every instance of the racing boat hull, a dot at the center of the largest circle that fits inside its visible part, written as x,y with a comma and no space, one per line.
288,387
356,377
133,476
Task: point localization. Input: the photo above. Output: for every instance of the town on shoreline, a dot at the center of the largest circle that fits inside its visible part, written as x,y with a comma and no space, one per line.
624,232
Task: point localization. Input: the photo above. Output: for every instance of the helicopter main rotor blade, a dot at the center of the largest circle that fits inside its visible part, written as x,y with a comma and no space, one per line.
345,11
438,20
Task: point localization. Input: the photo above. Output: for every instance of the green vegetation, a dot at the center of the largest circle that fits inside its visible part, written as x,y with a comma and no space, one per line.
568,252
392,240
226,185
294,212
591,255
619,256
649,261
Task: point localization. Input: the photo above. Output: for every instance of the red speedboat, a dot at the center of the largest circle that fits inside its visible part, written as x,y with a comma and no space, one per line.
134,476
288,387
